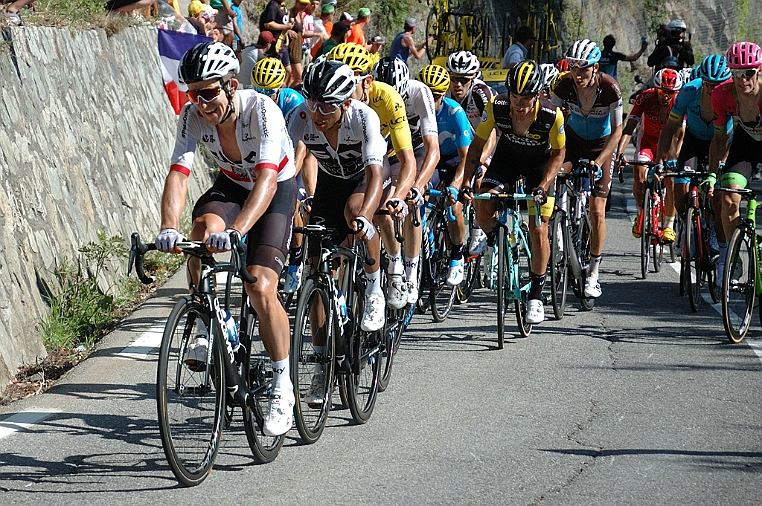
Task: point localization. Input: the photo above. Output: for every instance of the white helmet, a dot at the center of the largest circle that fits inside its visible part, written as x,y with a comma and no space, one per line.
584,53
394,72
549,73
463,62
677,25
207,60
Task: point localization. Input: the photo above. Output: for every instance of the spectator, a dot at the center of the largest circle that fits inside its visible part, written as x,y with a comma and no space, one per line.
123,6
375,44
347,19
326,18
312,26
299,16
357,31
275,20
252,54
519,50
195,8
670,42
318,28
225,15
338,35
610,58
403,44
238,43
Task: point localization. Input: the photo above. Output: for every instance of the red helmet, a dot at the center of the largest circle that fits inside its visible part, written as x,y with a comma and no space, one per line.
744,55
563,65
668,80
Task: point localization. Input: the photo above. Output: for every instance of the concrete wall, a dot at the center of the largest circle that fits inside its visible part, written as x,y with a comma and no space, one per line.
86,132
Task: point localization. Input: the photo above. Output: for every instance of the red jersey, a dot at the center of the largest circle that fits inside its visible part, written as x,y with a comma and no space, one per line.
646,108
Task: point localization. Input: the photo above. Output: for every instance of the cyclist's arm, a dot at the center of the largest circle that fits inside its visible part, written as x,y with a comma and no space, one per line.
258,200
431,143
406,176
374,189
173,199
473,158
489,147
309,174
666,137
615,117
718,149
557,140
457,180
629,128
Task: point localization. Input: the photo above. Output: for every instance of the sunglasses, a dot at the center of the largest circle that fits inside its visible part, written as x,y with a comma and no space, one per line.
461,80
577,64
206,94
663,93
743,73
266,91
322,107
437,96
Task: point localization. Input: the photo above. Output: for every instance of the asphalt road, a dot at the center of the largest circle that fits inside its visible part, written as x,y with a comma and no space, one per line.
638,401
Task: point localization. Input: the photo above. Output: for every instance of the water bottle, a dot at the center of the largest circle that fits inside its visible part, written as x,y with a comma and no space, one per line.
231,329
342,305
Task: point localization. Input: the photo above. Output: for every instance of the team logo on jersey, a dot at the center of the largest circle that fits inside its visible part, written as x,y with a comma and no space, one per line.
311,137
484,115
561,129
207,138
302,114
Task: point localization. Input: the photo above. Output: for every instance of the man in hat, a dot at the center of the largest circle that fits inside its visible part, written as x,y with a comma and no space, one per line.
357,31
403,44
251,55
347,19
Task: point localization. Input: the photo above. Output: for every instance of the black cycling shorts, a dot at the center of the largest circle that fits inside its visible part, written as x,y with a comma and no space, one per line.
269,238
577,147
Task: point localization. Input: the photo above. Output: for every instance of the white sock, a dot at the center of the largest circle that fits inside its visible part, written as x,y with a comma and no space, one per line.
670,222
374,283
411,269
395,265
281,374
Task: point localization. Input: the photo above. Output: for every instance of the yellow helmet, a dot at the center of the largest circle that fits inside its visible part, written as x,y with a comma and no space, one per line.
435,77
268,73
357,57
557,80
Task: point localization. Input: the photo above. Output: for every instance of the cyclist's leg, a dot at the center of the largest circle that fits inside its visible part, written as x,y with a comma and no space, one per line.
413,238
396,289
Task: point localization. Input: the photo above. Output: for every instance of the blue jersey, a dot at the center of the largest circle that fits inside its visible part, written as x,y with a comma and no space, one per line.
605,113
454,128
238,18
288,98
688,106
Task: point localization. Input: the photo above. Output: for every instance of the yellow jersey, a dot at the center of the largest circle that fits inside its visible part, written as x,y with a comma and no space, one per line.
390,107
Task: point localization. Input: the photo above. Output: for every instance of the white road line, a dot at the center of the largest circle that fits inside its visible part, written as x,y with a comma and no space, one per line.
144,345
23,420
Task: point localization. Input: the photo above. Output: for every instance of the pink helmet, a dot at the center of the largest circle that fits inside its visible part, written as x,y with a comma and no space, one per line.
744,55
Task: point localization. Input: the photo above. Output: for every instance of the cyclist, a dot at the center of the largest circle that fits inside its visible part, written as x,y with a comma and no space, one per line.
531,144
651,111
269,77
390,107
693,108
421,116
344,135
255,192
472,94
455,135
593,128
741,100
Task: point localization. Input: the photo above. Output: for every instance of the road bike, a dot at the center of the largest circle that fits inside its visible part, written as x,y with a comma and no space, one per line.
651,222
513,259
454,26
741,279
471,263
200,375
697,261
328,347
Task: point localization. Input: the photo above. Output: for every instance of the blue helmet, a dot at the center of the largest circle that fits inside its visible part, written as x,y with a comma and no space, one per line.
695,72
714,68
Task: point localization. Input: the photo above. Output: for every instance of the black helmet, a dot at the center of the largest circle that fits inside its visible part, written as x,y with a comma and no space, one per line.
328,81
525,78
671,62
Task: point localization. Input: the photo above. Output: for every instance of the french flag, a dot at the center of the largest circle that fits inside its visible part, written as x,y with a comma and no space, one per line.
172,47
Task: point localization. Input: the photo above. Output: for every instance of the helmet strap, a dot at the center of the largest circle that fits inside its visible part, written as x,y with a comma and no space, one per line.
231,103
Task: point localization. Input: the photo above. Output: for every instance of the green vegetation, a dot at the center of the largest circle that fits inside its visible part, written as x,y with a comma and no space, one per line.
655,12
77,14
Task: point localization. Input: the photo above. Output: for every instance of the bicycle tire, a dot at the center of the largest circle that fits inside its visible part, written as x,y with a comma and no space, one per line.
738,285
256,368
559,264
442,295
692,246
522,278
310,417
363,350
645,233
190,400
587,303
432,32
471,271
657,245
501,245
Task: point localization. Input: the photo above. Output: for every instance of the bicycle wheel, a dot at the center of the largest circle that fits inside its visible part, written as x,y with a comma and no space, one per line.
363,353
692,254
471,271
521,278
312,370
190,392
559,264
503,249
738,285
646,230
442,295
432,32
256,367
657,245
583,251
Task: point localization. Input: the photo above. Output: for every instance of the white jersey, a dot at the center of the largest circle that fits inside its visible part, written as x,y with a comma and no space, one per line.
360,141
260,132
421,115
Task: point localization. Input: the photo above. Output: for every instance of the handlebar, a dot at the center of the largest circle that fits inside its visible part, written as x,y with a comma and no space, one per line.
322,232
397,224
440,194
198,249
518,197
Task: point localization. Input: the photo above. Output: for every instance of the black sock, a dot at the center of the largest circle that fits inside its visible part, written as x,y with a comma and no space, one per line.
457,252
295,256
538,282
